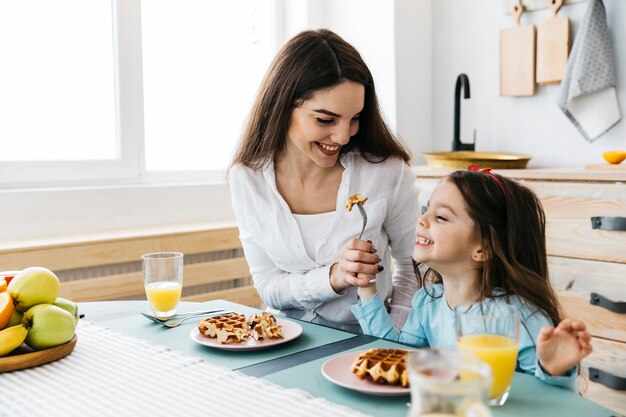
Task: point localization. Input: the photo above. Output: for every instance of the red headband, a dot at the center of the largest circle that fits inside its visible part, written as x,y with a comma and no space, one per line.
486,171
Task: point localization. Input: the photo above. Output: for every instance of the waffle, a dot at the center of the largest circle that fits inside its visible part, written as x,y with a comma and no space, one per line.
231,335
355,199
383,366
264,326
235,327
227,322
264,318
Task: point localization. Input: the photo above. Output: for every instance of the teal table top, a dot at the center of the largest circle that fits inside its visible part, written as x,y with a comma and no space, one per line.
124,317
529,396
297,364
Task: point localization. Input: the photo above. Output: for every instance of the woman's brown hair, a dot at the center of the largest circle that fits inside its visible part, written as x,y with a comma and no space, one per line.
309,62
511,225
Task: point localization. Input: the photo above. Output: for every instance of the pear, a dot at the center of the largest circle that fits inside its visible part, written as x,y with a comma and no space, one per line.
16,318
68,306
49,326
33,286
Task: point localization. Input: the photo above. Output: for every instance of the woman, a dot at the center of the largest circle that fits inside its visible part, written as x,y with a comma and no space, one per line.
315,137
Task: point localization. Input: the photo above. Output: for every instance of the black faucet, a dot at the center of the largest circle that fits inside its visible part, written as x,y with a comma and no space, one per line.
461,82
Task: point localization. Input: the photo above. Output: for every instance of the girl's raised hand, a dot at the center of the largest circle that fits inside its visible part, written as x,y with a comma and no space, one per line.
560,349
358,264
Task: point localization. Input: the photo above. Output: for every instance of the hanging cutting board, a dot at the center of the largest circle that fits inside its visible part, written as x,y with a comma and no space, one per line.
553,43
517,58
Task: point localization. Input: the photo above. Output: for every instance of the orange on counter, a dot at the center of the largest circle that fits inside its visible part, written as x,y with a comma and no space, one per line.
614,157
3,284
6,308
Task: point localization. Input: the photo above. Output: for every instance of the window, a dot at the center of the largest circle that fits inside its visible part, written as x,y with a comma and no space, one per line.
126,91
200,76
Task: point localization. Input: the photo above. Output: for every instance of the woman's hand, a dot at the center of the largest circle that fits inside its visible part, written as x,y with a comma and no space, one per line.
560,349
357,265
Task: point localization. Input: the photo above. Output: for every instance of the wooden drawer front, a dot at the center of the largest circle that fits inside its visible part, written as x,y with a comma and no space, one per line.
569,209
575,280
606,356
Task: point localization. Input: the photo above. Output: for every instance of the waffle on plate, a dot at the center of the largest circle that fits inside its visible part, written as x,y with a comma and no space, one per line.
235,327
383,366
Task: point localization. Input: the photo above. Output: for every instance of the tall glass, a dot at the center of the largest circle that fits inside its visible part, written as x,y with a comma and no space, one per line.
448,383
494,339
163,281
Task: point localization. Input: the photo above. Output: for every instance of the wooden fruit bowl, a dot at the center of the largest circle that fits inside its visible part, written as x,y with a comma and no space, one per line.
25,357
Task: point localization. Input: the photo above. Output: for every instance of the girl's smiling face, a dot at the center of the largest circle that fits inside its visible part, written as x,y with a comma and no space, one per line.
321,125
446,236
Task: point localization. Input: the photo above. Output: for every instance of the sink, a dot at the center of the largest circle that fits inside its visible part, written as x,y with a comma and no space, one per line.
462,159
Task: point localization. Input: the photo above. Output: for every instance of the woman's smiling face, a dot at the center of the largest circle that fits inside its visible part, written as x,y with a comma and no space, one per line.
446,236
321,125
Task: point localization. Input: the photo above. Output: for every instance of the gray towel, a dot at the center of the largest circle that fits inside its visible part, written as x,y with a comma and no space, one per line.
588,95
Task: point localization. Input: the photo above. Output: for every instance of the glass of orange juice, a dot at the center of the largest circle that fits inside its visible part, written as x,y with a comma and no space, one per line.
493,337
448,383
163,280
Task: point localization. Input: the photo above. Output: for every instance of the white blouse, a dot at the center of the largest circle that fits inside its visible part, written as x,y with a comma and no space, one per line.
298,285
313,227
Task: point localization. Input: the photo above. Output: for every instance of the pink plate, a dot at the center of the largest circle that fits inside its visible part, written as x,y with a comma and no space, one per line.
291,330
339,371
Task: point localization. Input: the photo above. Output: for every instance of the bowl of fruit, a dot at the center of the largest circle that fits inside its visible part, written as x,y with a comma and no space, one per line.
36,325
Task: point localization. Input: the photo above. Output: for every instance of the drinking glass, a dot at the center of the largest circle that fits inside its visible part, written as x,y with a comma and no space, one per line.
493,337
448,383
163,280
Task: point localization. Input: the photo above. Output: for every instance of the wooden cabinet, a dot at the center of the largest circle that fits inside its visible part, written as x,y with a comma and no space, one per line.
587,263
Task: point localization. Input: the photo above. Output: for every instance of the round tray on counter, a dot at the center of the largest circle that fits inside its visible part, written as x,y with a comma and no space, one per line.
24,357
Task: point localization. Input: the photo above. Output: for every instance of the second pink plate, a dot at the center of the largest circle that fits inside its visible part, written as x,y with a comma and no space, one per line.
338,370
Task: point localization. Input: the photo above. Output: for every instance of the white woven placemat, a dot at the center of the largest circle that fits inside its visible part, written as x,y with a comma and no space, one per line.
111,374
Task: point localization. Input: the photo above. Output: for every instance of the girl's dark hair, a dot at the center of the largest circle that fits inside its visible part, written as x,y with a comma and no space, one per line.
511,225
309,62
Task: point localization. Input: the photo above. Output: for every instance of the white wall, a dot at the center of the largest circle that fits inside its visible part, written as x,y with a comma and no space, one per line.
413,40
465,38
369,26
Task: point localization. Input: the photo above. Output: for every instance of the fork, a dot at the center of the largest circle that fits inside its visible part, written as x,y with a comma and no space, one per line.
180,315
364,216
176,323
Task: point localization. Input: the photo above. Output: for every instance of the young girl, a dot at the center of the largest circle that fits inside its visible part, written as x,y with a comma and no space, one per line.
481,243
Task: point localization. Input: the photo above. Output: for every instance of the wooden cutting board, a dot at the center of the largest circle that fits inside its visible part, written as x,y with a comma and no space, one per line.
517,58
24,357
610,167
553,45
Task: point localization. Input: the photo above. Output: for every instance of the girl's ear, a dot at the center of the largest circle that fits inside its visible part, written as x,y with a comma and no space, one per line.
478,255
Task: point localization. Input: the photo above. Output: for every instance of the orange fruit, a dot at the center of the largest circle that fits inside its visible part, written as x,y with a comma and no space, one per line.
3,285
614,157
6,308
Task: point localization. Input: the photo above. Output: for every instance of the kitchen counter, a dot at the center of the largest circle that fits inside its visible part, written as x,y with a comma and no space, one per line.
562,174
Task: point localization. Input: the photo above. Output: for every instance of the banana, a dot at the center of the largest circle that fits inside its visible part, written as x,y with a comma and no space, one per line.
11,338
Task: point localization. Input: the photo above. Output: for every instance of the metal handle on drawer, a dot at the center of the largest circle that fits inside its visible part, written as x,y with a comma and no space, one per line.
614,306
609,223
607,379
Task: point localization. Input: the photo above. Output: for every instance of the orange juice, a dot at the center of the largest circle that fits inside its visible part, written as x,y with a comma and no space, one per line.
500,352
163,296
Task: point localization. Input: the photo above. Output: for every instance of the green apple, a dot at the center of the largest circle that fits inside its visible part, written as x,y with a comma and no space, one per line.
49,326
68,306
16,318
33,286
